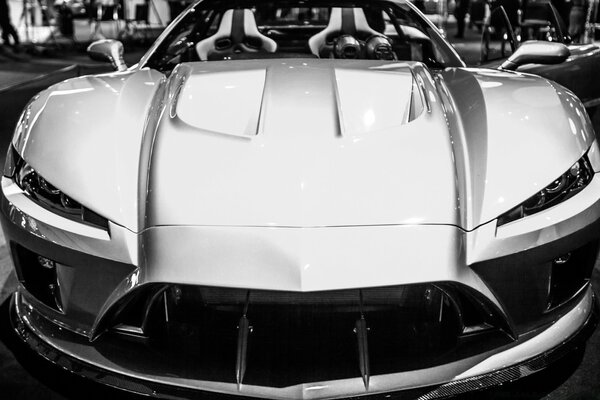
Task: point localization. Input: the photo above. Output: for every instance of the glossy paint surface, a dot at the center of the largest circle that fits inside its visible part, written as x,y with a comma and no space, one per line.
222,102
317,158
512,135
583,62
86,135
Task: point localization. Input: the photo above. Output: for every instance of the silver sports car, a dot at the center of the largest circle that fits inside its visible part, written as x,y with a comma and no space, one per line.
303,200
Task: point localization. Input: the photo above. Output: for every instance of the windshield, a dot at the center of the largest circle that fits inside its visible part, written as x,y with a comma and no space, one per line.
214,30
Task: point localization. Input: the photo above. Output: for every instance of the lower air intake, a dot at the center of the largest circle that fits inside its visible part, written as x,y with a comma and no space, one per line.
279,339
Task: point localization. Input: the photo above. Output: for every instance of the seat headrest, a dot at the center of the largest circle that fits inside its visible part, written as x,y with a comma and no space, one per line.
342,21
237,33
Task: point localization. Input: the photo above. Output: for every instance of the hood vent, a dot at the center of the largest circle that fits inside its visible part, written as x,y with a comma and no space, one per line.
223,102
351,102
371,101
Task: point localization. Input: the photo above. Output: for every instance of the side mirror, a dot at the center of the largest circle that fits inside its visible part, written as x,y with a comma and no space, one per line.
537,52
108,50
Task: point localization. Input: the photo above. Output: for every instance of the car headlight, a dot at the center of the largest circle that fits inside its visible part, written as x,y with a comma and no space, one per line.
47,195
565,186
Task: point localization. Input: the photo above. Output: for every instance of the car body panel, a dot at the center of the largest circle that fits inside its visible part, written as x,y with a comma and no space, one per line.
315,171
578,73
312,193
483,136
100,121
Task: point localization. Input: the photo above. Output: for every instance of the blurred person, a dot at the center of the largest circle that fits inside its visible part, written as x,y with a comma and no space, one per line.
577,20
8,30
460,12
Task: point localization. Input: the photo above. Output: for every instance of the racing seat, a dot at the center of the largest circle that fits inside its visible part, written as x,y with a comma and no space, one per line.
237,33
342,21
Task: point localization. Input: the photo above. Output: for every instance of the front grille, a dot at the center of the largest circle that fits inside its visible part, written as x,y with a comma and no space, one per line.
279,339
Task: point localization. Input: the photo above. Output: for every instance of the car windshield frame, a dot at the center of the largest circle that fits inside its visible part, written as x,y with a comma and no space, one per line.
448,52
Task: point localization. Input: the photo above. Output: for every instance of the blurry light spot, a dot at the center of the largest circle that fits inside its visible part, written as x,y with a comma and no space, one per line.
572,126
369,118
488,85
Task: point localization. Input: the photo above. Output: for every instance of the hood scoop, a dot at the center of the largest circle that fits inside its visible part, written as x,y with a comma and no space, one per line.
297,96
301,143
223,102
371,101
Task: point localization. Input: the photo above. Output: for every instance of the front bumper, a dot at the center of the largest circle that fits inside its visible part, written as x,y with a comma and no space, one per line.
517,362
536,338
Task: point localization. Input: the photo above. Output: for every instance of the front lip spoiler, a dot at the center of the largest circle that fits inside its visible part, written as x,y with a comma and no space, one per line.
28,341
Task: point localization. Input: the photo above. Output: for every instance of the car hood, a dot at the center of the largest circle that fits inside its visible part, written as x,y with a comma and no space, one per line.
303,143
300,143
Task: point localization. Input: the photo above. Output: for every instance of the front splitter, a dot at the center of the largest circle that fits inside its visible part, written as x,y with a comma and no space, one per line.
32,340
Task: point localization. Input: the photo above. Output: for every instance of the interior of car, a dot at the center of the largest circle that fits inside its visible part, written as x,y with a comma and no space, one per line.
373,31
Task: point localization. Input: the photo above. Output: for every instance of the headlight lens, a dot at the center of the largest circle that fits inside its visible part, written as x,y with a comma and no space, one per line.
47,195
565,186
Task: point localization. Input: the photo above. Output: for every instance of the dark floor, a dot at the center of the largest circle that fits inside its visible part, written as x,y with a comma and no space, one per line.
22,75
